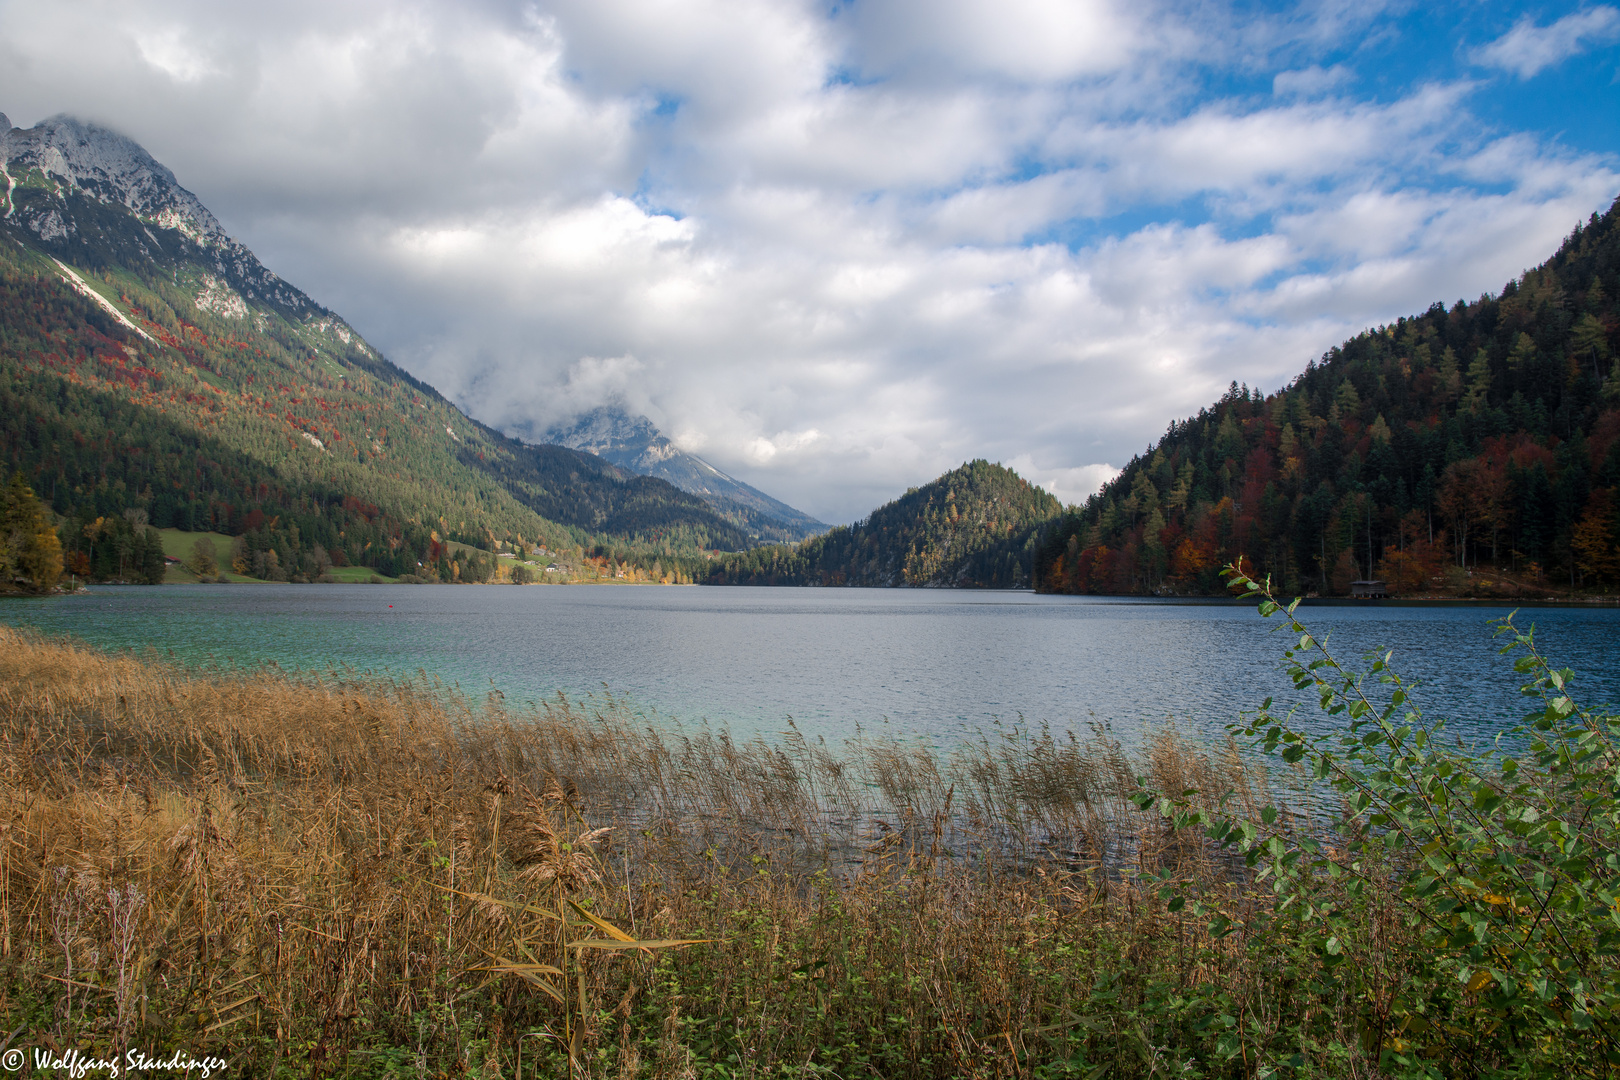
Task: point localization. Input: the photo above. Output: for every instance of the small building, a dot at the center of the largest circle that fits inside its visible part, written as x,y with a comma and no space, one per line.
1369,589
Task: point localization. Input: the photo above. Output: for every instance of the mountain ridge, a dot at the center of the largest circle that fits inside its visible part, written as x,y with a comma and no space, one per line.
122,292
156,369
1469,451
109,167
635,443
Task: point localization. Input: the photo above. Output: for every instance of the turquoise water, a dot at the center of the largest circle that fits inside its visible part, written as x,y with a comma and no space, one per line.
926,663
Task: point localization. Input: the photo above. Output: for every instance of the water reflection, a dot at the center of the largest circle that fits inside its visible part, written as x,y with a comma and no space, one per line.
912,663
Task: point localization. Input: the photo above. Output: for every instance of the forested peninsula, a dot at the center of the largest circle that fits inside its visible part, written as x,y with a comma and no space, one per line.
971,528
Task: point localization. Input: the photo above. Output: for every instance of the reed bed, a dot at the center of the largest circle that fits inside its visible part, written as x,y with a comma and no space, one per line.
344,876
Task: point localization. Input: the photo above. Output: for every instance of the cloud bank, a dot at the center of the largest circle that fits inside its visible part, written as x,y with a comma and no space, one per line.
838,251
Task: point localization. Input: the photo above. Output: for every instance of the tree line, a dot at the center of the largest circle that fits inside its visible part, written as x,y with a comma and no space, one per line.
1475,443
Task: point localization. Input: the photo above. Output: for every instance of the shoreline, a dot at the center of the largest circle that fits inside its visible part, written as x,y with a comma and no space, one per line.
1130,598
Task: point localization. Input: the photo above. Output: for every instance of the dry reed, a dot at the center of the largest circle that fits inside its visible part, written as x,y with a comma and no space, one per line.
312,877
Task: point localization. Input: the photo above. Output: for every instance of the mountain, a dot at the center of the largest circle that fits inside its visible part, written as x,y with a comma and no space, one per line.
974,527
94,198
633,443
1471,450
156,371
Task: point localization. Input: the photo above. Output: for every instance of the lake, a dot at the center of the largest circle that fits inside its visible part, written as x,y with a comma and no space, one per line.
913,663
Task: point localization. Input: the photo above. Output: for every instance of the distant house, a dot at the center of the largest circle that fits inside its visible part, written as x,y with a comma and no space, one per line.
1369,590
170,560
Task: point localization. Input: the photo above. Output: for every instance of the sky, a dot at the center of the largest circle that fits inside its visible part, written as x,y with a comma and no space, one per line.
840,248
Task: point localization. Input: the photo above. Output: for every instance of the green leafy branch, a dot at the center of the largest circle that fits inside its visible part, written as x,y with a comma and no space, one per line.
1504,860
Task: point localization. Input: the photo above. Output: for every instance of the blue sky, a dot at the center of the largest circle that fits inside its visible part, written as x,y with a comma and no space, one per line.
839,249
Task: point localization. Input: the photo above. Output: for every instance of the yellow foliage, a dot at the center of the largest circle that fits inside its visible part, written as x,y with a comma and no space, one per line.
30,553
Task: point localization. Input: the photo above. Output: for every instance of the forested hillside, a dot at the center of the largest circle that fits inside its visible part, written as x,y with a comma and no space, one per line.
156,374
1469,450
971,528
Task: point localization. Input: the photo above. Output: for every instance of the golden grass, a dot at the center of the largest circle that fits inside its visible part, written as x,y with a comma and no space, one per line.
315,877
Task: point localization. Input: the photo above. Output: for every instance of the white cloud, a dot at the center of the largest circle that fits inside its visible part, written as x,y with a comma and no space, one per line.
1024,40
1528,49
1249,152
1070,485
762,451
837,255
172,52
1312,81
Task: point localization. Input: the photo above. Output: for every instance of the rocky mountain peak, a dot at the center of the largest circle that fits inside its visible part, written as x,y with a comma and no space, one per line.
92,197
633,442
608,431
111,168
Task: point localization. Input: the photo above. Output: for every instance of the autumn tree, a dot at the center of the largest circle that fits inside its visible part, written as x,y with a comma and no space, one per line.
30,553
1596,553
204,562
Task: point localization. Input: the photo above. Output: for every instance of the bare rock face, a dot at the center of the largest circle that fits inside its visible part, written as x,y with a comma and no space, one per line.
631,442
110,168
93,196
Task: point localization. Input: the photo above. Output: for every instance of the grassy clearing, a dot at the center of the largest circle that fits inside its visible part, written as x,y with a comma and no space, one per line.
358,575
317,878
178,544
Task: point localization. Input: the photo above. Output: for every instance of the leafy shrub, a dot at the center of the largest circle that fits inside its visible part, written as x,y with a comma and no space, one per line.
1492,871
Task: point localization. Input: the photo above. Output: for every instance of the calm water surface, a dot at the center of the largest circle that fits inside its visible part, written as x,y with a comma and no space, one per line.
930,664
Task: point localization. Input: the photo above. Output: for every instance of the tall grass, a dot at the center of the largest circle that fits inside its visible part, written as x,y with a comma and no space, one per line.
342,876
